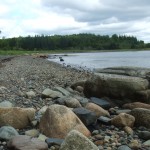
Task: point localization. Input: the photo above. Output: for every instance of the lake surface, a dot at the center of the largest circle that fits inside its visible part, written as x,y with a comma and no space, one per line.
104,59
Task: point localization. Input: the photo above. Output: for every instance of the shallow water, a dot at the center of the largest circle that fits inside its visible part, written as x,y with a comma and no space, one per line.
105,59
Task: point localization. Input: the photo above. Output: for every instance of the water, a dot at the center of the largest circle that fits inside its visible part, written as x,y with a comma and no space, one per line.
106,59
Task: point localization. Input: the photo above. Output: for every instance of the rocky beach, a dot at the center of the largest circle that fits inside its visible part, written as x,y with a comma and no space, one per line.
47,106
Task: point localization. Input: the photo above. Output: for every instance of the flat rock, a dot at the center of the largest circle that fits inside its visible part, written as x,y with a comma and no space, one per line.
23,142
59,120
86,116
48,93
7,132
16,117
101,102
62,90
77,141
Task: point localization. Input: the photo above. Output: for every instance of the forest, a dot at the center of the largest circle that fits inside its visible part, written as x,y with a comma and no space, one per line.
83,41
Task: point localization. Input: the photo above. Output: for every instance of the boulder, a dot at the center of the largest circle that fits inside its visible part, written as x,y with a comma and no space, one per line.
77,141
136,105
23,142
142,117
86,116
16,117
59,120
123,120
99,111
115,86
7,132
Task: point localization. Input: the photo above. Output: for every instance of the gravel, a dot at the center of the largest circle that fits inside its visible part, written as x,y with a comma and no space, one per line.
22,74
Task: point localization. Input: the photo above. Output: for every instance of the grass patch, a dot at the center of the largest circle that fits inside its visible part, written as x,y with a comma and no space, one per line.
25,52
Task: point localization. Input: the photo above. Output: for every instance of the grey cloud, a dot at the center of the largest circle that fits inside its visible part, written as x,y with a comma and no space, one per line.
124,10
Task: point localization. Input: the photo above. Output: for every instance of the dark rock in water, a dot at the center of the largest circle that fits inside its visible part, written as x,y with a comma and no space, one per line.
53,141
61,59
145,135
124,147
104,120
86,116
101,102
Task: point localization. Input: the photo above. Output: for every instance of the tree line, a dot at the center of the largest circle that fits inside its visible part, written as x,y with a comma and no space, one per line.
72,42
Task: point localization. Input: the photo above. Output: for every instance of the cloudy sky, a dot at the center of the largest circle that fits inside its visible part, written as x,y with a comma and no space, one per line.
105,17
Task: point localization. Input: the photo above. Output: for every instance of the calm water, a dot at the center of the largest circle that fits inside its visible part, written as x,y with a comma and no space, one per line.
106,59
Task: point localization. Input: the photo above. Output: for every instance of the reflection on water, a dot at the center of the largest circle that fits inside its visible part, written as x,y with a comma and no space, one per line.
106,59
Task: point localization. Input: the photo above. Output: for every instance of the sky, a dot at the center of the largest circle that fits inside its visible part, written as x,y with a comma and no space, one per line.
63,17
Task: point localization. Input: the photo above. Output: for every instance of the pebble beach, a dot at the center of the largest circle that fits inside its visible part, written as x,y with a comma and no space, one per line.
38,88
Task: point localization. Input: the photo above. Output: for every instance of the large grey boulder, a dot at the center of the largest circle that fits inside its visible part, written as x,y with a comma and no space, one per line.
129,71
77,141
115,86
